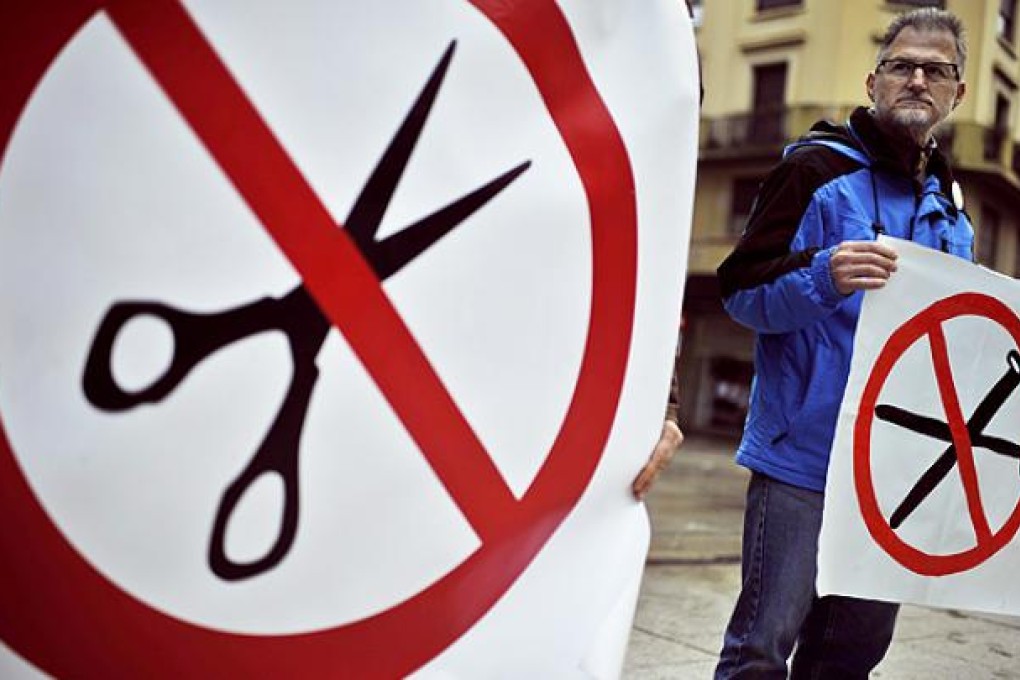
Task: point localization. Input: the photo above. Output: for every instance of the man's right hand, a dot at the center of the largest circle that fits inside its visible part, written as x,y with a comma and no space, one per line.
861,265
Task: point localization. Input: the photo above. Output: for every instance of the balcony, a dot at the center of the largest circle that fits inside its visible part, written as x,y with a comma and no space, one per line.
969,145
762,132
977,146
744,130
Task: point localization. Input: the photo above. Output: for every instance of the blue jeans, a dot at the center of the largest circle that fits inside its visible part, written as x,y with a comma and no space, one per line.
835,637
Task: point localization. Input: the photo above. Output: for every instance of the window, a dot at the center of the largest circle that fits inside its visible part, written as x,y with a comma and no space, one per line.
771,4
767,106
988,236
745,190
999,131
1007,16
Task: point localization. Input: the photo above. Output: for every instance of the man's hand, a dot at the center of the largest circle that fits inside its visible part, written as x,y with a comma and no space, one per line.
662,454
861,265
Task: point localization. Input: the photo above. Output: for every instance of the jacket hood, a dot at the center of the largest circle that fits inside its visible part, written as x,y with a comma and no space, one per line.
863,140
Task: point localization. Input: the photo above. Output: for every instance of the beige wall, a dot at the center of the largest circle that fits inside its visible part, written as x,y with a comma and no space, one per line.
830,46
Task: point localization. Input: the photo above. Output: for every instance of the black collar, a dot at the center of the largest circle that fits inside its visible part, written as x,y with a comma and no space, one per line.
896,155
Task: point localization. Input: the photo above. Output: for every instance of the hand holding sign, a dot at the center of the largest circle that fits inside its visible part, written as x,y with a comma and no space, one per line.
662,455
861,265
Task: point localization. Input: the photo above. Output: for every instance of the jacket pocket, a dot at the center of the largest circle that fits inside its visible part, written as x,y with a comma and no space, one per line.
822,381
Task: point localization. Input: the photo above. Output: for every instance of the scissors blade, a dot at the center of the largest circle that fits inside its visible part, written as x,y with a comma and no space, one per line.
931,478
938,430
915,422
391,254
370,206
997,445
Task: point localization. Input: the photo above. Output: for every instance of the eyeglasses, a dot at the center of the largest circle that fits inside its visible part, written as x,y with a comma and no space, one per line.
934,71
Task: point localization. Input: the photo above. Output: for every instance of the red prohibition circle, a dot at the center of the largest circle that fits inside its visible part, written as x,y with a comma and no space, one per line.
928,322
69,620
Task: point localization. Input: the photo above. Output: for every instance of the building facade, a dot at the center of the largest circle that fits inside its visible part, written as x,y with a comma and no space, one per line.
770,68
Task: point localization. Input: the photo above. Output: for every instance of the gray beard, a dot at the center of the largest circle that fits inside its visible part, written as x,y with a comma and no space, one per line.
912,118
915,123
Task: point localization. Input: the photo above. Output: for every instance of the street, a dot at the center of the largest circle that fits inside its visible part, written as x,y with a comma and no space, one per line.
693,574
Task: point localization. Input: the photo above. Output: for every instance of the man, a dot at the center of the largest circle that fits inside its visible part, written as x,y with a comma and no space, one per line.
796,277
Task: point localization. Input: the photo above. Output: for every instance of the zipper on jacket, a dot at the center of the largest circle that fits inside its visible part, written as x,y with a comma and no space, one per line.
913,218
876,225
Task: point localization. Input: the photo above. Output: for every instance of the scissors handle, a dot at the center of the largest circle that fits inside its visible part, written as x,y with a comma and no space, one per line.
277,454
195,336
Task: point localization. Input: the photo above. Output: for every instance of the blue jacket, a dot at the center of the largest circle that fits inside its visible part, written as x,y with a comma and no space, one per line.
838,183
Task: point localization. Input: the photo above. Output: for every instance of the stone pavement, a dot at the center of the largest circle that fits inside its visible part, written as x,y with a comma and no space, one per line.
693,574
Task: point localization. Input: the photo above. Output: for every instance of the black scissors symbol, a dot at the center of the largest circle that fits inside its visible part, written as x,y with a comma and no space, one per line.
296,315
983,414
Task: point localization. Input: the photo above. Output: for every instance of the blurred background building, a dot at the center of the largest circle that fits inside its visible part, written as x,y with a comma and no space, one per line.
770,69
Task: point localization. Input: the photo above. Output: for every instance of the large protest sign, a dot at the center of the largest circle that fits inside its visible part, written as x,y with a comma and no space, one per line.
333,333
922,499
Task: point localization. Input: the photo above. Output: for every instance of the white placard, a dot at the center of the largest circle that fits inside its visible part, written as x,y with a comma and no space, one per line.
393,455
922,499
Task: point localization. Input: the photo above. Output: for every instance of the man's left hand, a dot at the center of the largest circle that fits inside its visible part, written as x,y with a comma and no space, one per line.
667,446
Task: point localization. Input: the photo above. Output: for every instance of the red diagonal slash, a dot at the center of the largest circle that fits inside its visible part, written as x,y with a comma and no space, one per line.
961,437
173,48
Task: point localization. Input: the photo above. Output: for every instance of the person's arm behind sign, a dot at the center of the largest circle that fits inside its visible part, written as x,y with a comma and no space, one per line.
662,453
671,437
